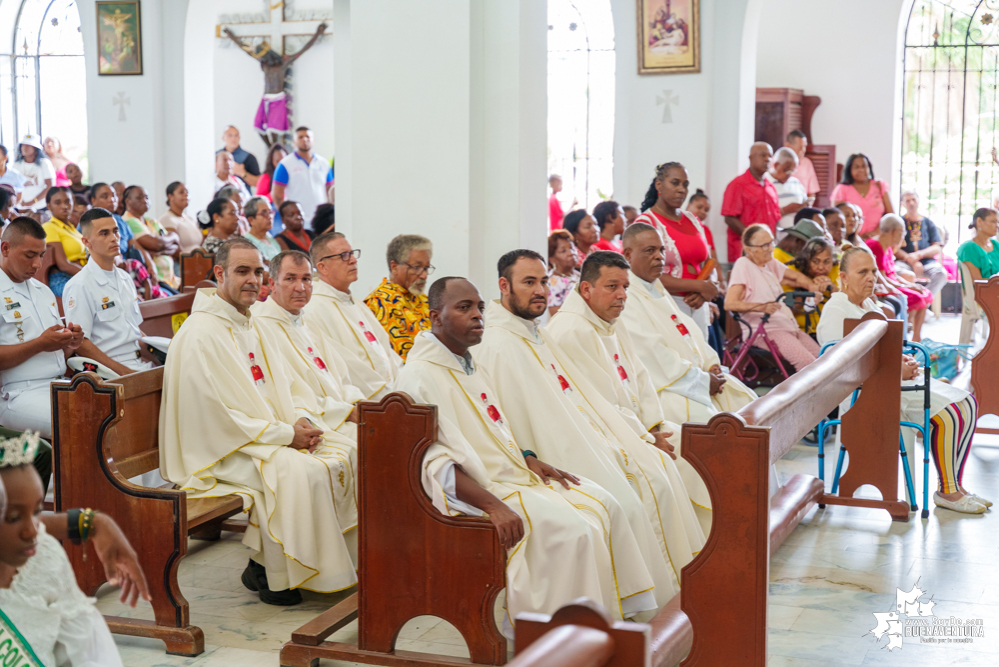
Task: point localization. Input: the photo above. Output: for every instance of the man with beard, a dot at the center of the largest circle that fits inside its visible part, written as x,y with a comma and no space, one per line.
229,425
560,537
399,302
554,412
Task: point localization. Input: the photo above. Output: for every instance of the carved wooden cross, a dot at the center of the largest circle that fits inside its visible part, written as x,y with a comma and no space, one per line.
275,29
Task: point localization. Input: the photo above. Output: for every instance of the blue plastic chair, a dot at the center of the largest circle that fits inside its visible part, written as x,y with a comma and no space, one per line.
909,485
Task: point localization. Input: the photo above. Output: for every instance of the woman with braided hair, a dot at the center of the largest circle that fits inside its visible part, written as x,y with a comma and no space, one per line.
687,247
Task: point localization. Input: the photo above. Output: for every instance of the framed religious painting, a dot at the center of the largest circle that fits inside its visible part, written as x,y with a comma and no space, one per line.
119,37
669,36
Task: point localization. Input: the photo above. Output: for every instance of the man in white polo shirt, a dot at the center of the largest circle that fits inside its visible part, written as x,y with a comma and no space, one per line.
103,301
303,177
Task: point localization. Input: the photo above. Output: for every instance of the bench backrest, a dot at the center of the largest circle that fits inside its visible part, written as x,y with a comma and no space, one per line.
985,364
133,441
724,589
195,266
158,314
414,560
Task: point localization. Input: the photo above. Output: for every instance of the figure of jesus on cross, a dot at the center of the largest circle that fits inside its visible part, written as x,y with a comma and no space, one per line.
272,119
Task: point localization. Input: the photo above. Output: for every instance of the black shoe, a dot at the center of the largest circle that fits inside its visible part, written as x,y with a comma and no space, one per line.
255,578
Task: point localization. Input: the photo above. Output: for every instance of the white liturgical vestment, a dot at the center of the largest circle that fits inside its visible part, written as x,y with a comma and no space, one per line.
674,351
372,364
606,356
226,419
577,542
551,414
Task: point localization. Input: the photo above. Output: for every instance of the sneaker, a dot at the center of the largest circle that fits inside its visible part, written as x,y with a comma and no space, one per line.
966,505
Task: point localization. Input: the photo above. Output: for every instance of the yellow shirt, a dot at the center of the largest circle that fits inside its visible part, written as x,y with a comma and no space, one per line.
402,314
57,231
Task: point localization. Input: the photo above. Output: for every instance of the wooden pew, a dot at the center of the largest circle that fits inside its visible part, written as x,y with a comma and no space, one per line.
414,561
103,434
538,641
720,615
158,315
195,266
985,364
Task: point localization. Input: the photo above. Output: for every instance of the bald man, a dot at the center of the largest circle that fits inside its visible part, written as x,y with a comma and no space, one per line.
791,193
566,537
749,199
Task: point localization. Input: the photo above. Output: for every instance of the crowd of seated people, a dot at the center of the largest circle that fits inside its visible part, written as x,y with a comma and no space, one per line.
41,183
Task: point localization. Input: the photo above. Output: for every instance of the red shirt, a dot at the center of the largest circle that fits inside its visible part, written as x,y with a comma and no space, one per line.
555,214
604,244
690,245
751,201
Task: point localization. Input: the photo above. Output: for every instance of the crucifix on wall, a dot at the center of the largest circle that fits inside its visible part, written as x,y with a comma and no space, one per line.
267,41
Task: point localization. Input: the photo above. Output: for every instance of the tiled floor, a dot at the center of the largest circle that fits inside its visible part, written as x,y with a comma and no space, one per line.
838,568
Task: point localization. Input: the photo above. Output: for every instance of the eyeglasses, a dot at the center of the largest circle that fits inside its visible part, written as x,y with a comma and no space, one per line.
768,244
344,256
420,269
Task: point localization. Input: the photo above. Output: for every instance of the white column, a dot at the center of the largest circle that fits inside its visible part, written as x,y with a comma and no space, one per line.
445,137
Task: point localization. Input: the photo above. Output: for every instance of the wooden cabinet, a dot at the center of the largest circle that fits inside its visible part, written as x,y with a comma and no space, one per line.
780,110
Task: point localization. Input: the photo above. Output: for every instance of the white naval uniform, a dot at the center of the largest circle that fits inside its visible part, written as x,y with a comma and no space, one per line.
106,306
29,308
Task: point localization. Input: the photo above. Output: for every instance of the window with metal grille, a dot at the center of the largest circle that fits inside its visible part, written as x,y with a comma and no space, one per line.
581,63
43,78
949,100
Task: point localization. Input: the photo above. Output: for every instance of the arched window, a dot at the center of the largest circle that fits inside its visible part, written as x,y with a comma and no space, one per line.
43,78
949,109
581,98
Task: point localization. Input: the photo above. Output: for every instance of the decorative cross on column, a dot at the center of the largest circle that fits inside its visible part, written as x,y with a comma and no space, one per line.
121,100
667,99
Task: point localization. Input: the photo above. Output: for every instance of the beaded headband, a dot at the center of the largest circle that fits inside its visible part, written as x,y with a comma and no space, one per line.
18,451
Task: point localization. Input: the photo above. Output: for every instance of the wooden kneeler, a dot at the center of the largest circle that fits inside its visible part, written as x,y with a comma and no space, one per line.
985,364
103,434
414,561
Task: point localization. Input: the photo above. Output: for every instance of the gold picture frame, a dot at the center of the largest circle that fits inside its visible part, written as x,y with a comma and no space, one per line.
669,36
119,38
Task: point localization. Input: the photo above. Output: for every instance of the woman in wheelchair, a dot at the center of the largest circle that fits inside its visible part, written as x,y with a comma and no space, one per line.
756,282
953,411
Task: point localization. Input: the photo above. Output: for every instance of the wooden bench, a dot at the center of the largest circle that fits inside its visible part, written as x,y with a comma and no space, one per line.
985,364
158,315
105,433
410,554
414,561
195,266
720,615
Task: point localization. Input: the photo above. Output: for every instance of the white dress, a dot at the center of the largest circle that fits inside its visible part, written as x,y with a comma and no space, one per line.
51,612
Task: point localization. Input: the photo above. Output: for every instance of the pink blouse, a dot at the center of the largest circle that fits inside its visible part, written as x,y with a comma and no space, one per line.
872,206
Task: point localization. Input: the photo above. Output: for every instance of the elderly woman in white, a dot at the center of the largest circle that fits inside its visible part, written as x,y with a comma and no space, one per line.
953,411
43,613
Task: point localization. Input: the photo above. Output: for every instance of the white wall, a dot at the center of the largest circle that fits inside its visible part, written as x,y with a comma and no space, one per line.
449,141
848,53
139,150
712,120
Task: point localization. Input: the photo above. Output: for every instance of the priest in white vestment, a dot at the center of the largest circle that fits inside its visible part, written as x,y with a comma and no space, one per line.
586,329
318,375
228,425
566,538
684,369
336,315
555,413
